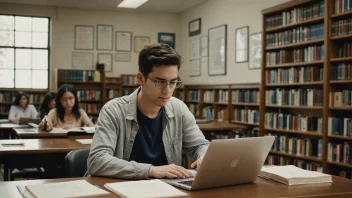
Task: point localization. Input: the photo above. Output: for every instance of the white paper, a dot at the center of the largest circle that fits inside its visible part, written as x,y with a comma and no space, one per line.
204,46
123,56
195,68
84,37
123,41
105,35
106,59
84,141
82,60
194,48
255,51
140,42
217,51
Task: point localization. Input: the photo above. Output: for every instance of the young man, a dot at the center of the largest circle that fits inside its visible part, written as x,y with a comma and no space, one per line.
143,135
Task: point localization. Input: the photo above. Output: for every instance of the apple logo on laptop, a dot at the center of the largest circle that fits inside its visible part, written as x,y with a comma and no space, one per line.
234,163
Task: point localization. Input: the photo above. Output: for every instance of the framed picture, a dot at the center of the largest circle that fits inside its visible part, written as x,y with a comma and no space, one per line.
204,46
105,37
83,60
241,48
167,38
217,50
123,41
194,27
195,68
106,59
123,56
194,48
84,37
255,50
140,42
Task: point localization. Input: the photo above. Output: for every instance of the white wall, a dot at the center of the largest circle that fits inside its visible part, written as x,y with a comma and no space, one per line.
64,19
234,13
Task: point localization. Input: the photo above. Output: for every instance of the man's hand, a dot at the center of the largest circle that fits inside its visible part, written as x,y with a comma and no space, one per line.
197,163
168,171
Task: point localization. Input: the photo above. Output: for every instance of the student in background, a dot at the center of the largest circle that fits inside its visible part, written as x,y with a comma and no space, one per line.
67,113
47,104
143,135
21,108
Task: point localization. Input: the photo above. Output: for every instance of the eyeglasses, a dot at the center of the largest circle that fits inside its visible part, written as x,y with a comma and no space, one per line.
67,99
163,83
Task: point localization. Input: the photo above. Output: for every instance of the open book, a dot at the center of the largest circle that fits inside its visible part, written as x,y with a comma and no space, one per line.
73,130
77,188
292,175
144,188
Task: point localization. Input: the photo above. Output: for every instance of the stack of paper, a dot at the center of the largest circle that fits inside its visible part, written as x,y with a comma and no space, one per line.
85,141
292,175
144,188
77,188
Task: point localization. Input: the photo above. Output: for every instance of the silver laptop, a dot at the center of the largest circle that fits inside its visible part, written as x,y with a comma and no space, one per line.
228,162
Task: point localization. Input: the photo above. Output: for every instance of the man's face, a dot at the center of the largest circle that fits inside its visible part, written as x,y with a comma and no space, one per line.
160,84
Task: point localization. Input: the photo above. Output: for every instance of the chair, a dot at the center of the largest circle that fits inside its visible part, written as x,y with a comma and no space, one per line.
76,162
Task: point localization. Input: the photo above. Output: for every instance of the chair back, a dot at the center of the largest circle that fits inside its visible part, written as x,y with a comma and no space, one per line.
76,162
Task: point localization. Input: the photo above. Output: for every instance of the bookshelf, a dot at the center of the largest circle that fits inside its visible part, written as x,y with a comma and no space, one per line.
90,86
113,88
129,84
8,95
305,79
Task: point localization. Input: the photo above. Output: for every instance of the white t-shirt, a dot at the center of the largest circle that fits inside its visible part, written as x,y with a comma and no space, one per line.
16,112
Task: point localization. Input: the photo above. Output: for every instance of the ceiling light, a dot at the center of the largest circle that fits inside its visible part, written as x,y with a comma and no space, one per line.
131,3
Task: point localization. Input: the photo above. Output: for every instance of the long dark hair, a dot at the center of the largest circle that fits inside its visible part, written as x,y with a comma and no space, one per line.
44,109
59,108
19,97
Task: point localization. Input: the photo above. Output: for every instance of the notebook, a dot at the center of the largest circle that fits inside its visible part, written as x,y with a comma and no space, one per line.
74,130
292,175
144,188
77,188
84,141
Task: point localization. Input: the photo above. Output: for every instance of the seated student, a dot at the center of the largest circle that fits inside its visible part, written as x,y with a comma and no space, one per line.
47,104
21,108
143,135
67,113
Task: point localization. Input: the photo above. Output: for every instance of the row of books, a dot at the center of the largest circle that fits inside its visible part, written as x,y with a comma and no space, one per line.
179,94
340,99
223,96
79,75
295,97
10,97
89,94
341,27
194,109
307,54
339,126
342,71
208,96
346,174
340,152
112,93
297,145
295,15
280,160
342,6
193,95
248,116
91,108
5,108
296,35
245,96
344,50
222,115
294,75
298,122
127,91
129,79
208,112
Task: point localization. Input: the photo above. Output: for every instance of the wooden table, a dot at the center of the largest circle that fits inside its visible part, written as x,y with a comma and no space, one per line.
6,128
339,188
32,133
220,126
35,153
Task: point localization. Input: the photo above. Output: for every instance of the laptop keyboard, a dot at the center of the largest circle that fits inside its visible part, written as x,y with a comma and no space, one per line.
188,183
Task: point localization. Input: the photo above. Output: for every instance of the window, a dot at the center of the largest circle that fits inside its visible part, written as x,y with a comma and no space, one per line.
24,52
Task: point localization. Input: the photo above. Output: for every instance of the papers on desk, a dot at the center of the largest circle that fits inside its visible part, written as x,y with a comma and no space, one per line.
15,143
78,188
78,129
84,141
292,175
144,188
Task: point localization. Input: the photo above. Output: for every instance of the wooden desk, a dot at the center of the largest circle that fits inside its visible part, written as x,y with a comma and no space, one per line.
220,126
6,128
32,133
340,188
35,153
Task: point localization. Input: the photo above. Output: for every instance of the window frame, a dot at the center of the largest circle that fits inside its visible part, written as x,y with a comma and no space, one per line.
30,48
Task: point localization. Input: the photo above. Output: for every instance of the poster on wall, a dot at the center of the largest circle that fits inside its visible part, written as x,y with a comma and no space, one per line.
84,37
83,60
123,41
255,50
105,37
106,59
217,50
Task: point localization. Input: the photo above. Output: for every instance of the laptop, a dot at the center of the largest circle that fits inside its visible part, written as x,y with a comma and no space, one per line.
228,162
23,121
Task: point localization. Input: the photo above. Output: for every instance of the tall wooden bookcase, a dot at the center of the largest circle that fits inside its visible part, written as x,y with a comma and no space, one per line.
305,84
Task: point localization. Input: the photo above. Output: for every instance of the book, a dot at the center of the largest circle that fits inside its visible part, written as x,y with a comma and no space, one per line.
292,175
77,188
144,188
74,130
84,141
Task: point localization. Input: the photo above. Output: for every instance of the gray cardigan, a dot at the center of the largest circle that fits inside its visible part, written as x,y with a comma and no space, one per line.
117,127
